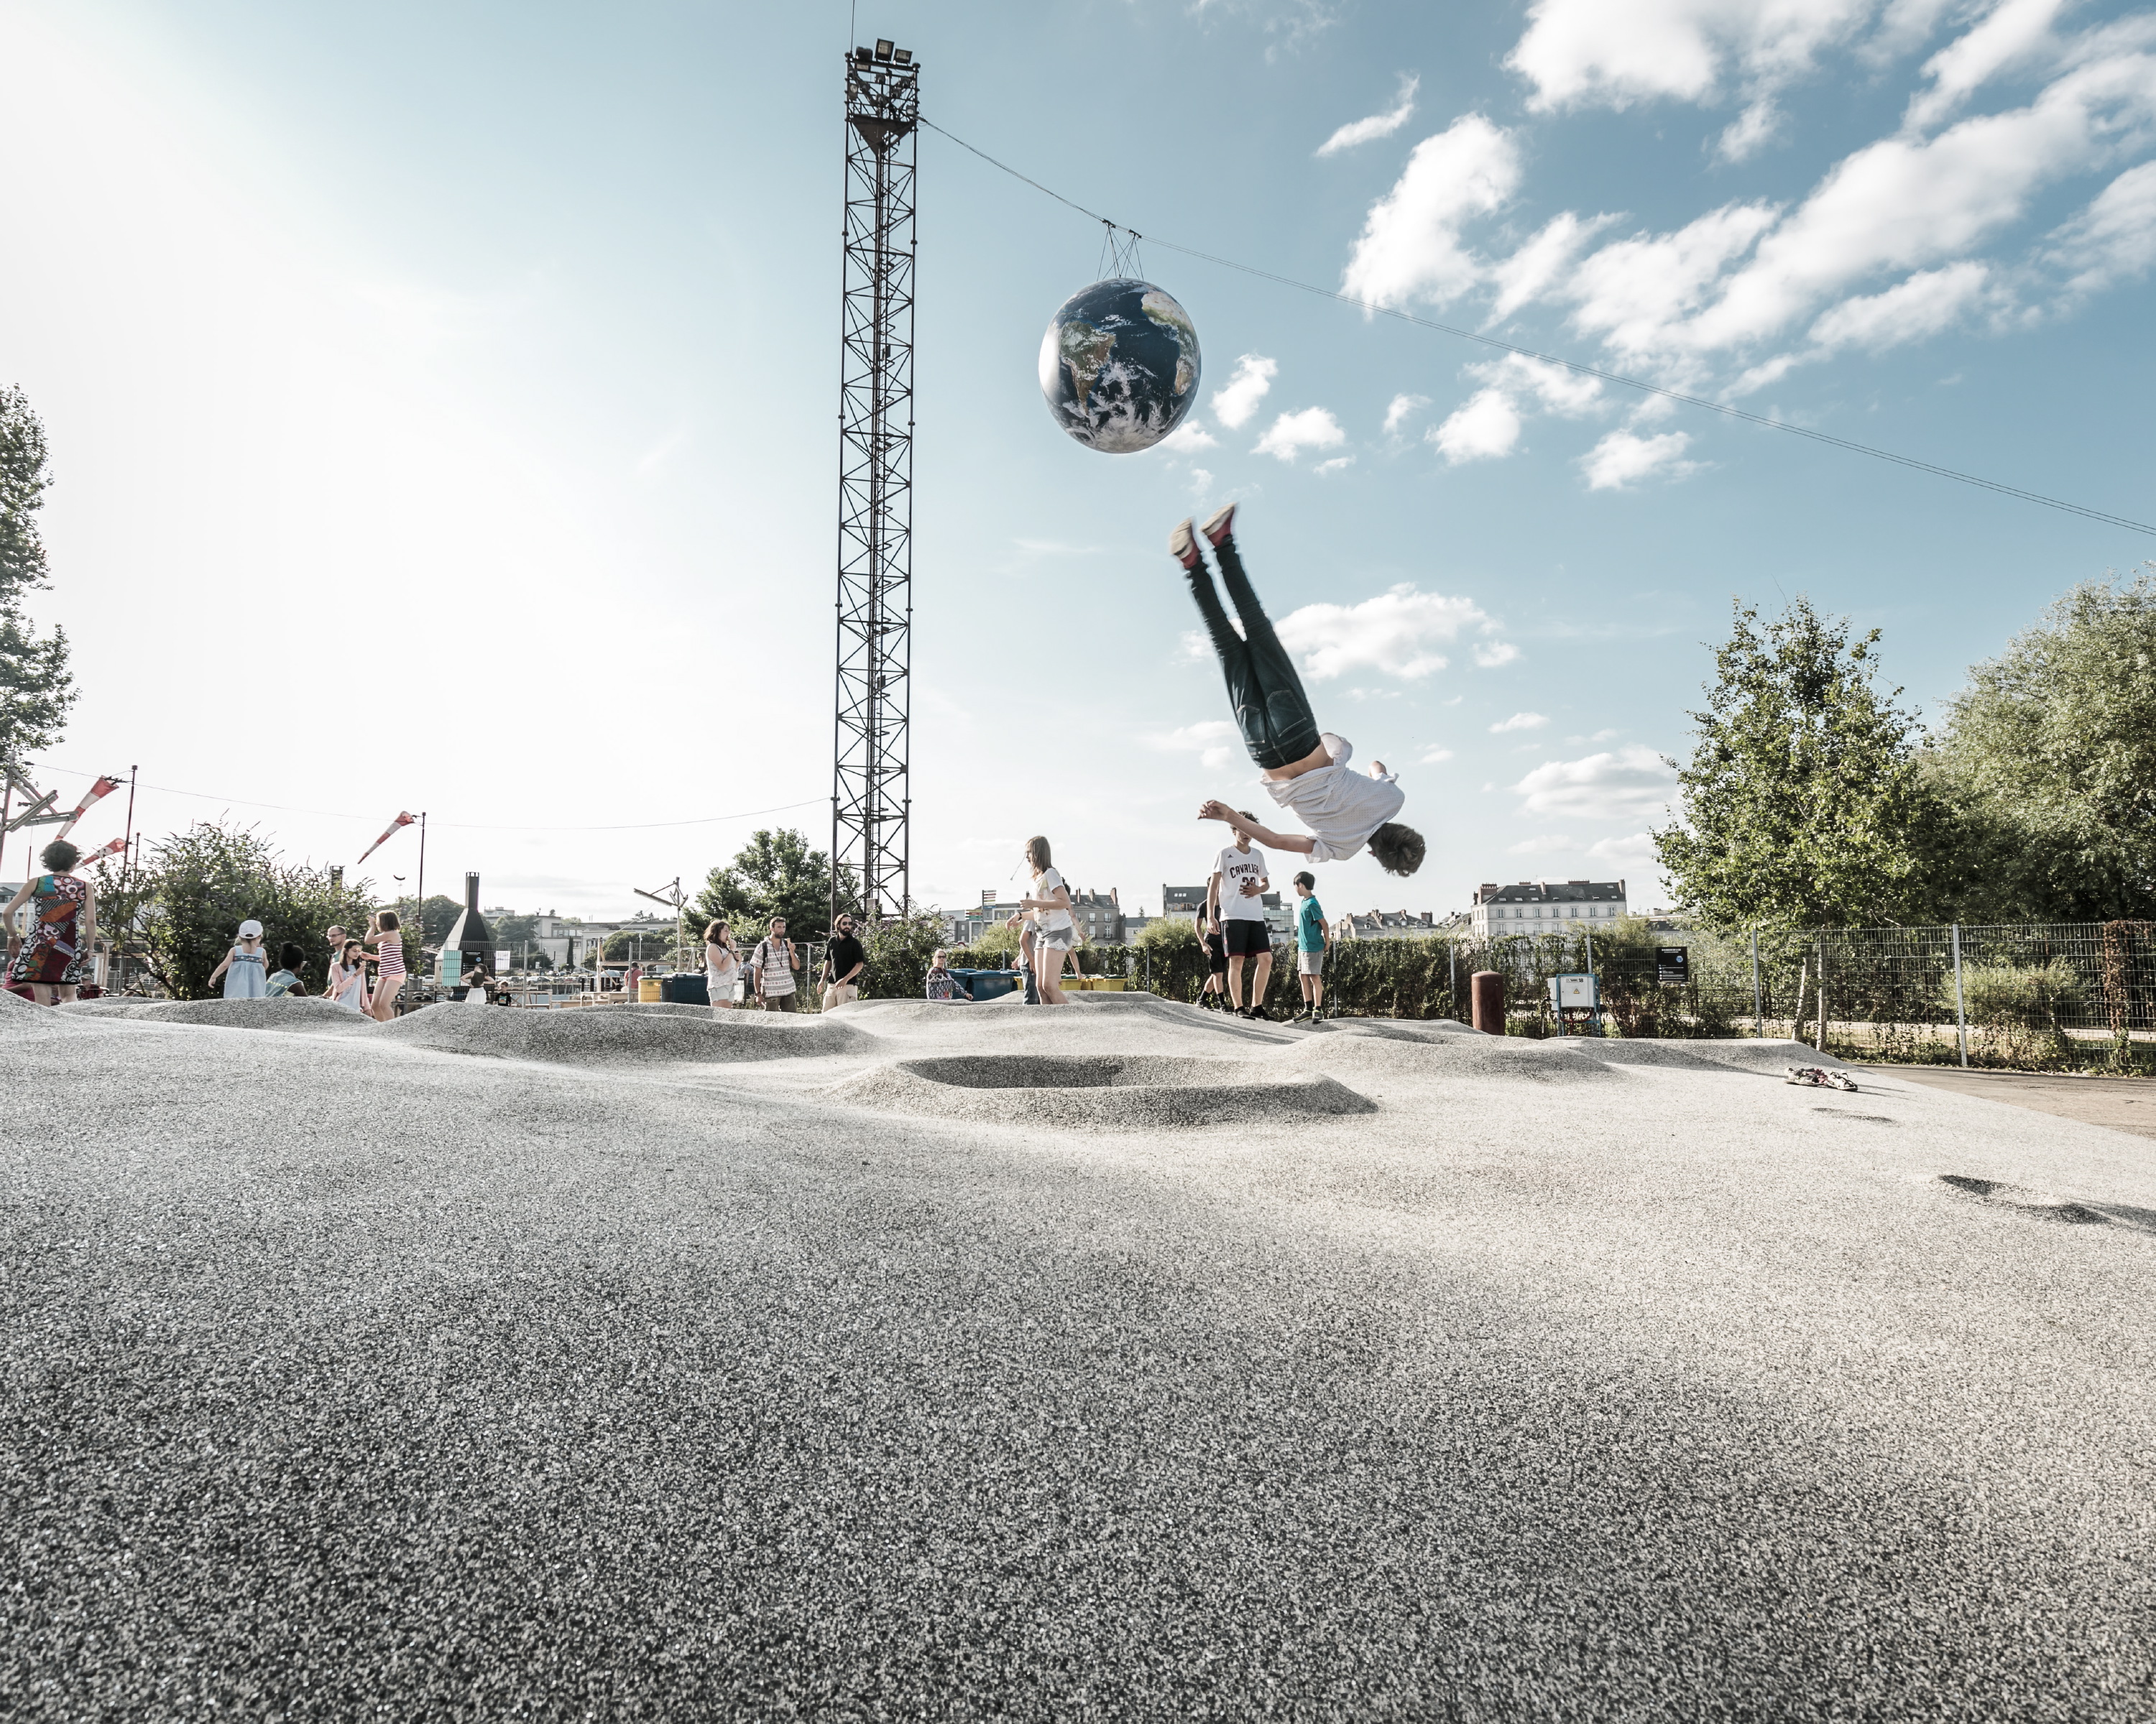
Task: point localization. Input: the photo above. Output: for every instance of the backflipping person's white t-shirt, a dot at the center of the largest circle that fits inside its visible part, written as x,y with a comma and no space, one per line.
1235,866
1340,808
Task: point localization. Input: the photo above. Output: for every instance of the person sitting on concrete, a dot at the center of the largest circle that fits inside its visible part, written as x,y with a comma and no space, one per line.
844,962
774,961
285,980
1312,943
1303,769
944,985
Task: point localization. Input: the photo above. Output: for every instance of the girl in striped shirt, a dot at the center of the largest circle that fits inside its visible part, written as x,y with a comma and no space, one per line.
387,934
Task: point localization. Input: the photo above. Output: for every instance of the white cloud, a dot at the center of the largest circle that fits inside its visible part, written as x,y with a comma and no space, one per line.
1236,402
1530,271
1922,305
2010,32
1486,426
1291,433
2114,238
1335,464
1490,654
1376,125
1397,633
1402,408
1636,293
1549,843
1628,784
1410,246
1621,458
1637,850
1436,757
1190,435
1212,741
1750,132
1613,52
1518,721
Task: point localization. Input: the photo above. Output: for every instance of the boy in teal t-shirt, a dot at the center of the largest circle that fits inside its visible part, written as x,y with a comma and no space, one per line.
1312,942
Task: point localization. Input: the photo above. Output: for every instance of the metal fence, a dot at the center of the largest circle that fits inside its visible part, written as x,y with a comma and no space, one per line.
2060,995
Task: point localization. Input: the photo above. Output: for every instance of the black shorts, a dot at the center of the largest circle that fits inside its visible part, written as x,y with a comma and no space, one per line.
1247,937
1216,954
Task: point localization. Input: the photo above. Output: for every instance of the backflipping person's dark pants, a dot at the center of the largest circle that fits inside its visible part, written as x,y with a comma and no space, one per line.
1271,709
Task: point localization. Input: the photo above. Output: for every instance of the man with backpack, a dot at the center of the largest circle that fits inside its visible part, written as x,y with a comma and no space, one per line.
774,961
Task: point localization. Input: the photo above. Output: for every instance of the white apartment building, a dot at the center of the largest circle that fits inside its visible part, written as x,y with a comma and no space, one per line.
1536,906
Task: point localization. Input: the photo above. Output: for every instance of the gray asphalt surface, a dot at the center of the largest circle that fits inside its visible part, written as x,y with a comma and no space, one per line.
349,1376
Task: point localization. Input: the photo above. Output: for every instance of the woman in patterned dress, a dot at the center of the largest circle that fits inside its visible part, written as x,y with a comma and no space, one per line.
55,956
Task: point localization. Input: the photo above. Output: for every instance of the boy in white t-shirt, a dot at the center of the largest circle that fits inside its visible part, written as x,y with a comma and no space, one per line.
1240,880
1303,769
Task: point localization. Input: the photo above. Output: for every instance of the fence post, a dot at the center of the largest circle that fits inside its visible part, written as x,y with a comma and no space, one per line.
1961,1016
1452,988
1758,1003
1821,1044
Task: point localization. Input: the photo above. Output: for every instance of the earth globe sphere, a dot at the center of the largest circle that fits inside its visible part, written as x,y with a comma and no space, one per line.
1119,366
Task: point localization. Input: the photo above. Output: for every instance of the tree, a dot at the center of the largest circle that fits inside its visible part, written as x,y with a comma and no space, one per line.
2050,753
183,907
775,873
1804,802
35,689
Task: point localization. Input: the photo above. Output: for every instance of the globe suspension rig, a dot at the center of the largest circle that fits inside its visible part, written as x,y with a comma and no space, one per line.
872,807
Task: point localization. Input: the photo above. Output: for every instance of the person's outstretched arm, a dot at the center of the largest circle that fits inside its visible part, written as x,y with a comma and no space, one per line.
1264,837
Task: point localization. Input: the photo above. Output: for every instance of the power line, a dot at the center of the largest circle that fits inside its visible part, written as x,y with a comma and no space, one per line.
1572,365
454,825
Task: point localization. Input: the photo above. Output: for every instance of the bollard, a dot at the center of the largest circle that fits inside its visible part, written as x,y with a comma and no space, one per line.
1485,988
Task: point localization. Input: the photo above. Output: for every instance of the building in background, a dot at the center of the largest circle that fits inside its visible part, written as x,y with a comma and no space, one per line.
1542,906
1384,924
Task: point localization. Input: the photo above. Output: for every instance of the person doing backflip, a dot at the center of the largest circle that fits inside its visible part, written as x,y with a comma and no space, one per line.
1304,770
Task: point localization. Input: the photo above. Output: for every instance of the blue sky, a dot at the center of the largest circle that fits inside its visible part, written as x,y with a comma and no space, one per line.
423,327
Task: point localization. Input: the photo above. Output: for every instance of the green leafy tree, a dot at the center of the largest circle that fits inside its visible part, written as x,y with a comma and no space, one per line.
2051,753
899,953
35,689
650,942
181,910
775,873
1804,803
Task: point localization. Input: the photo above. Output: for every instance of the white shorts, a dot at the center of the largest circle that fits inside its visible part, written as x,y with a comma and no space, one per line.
1310,963
1057,939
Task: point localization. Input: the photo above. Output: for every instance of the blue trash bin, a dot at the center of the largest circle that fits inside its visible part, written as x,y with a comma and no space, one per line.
988,984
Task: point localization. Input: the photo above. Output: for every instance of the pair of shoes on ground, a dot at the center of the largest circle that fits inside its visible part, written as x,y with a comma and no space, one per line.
1255,1013
1183,542
1818,1077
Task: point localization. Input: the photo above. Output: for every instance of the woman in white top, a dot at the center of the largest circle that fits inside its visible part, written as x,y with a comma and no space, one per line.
721,966
1055,932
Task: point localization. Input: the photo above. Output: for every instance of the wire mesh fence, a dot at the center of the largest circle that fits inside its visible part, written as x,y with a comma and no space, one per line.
2028,995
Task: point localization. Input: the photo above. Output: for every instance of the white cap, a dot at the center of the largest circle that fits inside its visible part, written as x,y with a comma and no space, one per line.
250,929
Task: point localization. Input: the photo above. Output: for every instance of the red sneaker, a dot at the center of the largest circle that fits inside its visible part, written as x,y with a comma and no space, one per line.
1221,525
1183,546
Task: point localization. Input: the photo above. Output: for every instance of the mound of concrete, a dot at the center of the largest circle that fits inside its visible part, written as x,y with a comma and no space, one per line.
642,1035
1498,1058
307,1013
1105,1092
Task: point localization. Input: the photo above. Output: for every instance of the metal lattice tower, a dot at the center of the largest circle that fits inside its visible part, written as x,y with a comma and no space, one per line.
870,806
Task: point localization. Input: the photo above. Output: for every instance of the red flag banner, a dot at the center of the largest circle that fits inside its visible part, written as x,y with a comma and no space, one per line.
388,832
96,792
113,848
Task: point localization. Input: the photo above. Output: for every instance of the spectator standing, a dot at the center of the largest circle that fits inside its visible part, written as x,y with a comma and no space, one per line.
774,961
54,959
1055,931
246,967
387,937
1237,885
1215,996
347,983
1312,944
844,962
721,966
628,985
285,980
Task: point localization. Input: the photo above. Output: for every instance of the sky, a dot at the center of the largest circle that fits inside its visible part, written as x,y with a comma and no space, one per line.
442,404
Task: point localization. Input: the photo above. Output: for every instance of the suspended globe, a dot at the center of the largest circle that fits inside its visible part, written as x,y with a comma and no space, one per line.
1119,366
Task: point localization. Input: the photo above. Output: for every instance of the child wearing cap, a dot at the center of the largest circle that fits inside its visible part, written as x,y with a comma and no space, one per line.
246,967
